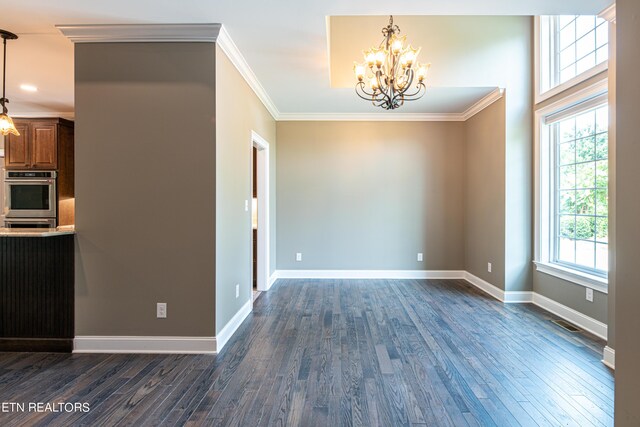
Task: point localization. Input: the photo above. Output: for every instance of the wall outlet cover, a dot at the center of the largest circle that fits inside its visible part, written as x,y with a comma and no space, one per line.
237,290
589,294
298,256
161,310
420,257
489,267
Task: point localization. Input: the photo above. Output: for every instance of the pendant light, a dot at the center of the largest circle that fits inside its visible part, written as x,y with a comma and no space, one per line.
6,124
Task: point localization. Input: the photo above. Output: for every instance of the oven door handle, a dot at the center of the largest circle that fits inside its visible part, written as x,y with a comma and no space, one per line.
29,181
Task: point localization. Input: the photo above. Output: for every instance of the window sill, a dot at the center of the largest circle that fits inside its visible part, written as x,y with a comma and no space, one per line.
580,78
596,283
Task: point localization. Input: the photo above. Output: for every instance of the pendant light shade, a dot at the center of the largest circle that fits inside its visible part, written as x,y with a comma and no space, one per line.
6,124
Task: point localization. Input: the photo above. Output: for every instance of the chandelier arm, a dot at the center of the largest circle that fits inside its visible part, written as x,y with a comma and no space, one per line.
416,95
375,97
388,100
378,79
361,86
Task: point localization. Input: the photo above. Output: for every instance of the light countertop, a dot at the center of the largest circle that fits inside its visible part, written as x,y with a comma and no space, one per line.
37,232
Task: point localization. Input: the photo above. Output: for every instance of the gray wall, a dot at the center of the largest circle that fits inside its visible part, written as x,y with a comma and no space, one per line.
365,195
145,188
239,111
518,164
484,194
627,213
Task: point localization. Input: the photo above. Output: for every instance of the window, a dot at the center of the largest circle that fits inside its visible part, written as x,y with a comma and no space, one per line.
580,233
572,47
572,168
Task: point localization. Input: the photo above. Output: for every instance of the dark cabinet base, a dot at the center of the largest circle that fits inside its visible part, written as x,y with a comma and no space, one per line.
36,293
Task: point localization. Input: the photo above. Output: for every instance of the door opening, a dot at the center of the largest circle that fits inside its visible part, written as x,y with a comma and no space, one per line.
260,213
254,220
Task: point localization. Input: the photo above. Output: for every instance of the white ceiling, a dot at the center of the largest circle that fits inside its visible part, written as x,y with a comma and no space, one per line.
283,41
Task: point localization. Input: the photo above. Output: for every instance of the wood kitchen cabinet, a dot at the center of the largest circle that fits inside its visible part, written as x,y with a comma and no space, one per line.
42,144
46,144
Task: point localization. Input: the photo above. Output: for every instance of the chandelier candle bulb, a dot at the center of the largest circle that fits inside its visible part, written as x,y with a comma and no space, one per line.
422,72
393,76
360,71
396,46
370,58
381,57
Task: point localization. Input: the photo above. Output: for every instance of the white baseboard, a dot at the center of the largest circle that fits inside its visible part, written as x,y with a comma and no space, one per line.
587,323
518,297
507,297
369,274
609,357
272,279
232,325
137,344
485,286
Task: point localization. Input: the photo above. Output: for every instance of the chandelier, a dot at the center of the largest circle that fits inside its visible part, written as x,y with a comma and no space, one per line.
389,71
6,124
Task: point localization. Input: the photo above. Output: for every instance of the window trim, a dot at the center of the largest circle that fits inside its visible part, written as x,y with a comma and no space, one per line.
582,77
543,202
578,277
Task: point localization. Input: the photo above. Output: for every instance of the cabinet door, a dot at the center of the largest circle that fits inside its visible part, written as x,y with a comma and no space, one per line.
16,148
44,146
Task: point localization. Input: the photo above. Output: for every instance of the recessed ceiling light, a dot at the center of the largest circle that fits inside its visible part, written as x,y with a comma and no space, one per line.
28,88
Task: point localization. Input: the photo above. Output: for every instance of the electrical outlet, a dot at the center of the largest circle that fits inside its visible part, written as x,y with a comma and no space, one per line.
161,310
237,290
246,206
420,257
589,294
298,256
489,267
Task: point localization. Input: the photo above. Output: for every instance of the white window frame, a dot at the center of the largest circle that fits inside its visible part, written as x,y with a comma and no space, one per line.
543,193
540,65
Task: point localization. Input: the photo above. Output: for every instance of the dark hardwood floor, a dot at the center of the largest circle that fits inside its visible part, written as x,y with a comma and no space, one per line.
339,353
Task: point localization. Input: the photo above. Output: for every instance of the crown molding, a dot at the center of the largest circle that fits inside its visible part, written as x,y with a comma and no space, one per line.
397,117
237,59
609,13
494,96
140,33
371,117
69,115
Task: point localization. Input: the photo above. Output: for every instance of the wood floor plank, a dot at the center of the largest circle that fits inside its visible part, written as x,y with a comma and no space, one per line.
341,352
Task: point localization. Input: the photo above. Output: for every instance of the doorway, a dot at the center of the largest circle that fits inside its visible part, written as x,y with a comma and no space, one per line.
254,220
260,213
